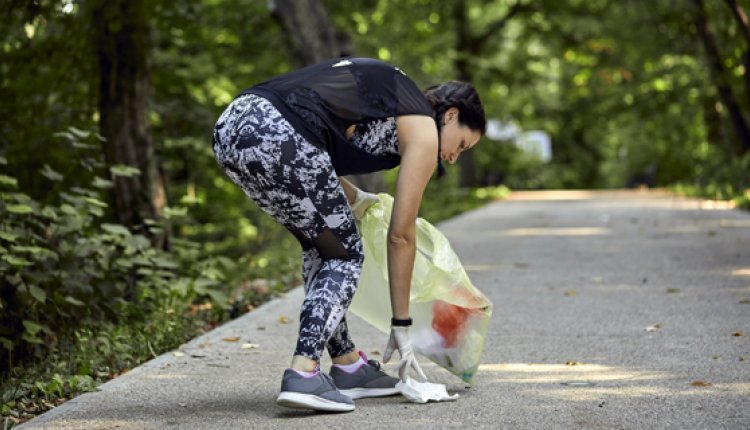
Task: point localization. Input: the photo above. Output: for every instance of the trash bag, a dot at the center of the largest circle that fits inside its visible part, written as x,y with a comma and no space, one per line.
450,316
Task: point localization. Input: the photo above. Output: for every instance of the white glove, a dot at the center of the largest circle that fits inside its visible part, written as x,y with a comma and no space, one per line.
400,340
362,202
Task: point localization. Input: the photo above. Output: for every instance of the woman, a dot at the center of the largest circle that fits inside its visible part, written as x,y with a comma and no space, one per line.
287,142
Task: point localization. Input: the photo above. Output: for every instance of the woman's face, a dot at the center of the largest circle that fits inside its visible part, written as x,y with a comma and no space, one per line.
455,138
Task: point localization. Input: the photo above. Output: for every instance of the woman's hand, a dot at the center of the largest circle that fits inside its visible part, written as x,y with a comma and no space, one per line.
400,340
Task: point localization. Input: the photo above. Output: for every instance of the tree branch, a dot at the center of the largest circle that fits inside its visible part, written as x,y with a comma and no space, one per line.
739,15
723,87
497,26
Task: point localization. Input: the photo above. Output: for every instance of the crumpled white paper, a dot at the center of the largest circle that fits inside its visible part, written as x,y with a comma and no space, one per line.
423,392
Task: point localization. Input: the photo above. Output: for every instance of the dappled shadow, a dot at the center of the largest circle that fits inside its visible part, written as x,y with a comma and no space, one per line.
589,382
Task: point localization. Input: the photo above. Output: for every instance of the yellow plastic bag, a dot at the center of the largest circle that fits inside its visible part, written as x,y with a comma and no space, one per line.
450,315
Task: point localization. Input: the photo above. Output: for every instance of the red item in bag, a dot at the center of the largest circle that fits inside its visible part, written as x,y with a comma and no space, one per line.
448,320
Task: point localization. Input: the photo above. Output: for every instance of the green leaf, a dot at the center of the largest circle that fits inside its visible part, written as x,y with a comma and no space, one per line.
10,237
31,339
49,212
95,202
6,343
37,293
16,261
51,174
219,297
7,180
82,383
68,209
116,229
180,286
73,301
3,160
164,263
35,251
65,135
85,191
31,327
203,285
175,212
144,271
20,209
123,170
101,183
125,264
79,133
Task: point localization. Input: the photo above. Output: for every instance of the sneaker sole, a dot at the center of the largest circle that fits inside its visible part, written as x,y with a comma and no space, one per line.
310,401
359,393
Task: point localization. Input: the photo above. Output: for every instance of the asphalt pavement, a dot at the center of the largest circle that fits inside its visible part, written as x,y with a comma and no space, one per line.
612,310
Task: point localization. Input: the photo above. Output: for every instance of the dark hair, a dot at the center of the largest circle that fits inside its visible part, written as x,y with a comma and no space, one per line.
462,96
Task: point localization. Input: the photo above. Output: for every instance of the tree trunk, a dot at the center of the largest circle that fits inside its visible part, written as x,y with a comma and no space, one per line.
469,45
312,37
464,47
742,22
309,32
122,48
719,74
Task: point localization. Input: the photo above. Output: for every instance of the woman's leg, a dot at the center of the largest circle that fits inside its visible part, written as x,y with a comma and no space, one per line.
293,181
340,344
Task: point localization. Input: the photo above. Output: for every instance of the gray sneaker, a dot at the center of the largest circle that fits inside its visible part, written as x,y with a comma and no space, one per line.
368,381
317,392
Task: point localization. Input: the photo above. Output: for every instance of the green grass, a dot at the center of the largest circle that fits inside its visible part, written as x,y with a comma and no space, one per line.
741,198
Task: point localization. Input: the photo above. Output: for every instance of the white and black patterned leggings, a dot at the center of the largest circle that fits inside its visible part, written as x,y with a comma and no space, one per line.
293,181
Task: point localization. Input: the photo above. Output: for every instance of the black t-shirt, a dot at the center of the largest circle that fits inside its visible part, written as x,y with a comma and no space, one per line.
321,101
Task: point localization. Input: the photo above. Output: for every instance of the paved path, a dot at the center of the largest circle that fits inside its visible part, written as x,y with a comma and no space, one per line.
576,278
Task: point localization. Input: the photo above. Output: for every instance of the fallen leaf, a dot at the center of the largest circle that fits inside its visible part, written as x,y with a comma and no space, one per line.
178,354
700,384
653,327
231,339
745,301
284,320
716,357
261,328
673,290
741,359
374,352
711,233
738,334
571,293
572,363
250,346
197,355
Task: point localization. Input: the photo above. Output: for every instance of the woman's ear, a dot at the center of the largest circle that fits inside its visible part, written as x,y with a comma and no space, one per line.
450,115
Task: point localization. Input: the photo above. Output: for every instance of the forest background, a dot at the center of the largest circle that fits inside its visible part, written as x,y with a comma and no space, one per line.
120,238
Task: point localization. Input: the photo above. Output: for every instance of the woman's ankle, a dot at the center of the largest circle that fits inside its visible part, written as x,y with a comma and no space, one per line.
345,359
303,364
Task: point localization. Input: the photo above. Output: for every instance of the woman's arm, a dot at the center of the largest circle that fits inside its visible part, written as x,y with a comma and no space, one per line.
418,144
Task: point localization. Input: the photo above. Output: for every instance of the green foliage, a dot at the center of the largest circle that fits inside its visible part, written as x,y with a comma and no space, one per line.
62,268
